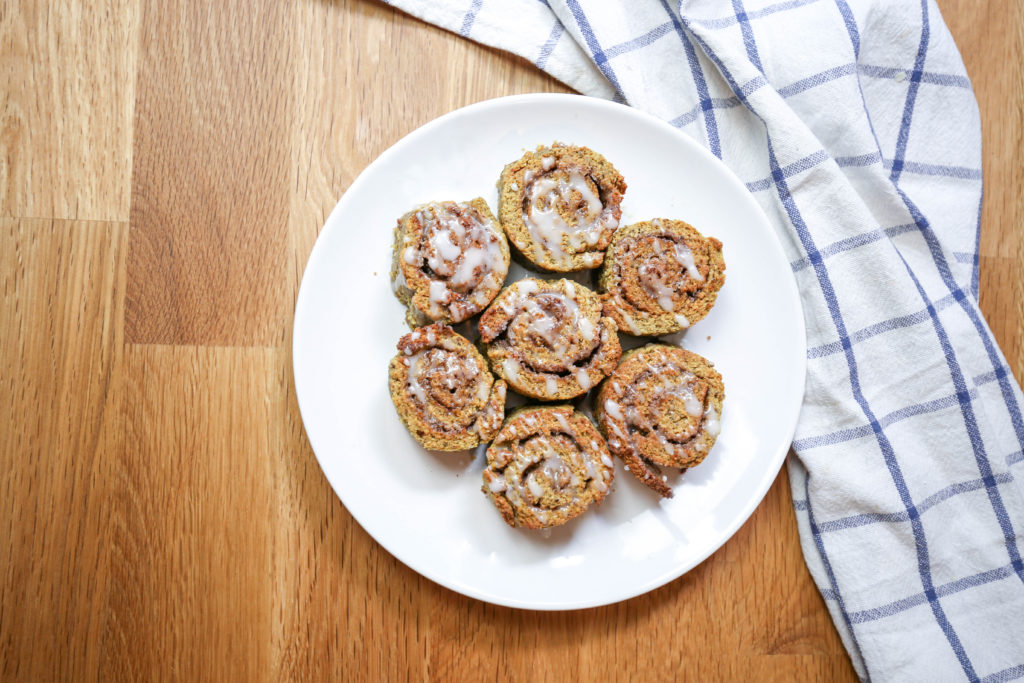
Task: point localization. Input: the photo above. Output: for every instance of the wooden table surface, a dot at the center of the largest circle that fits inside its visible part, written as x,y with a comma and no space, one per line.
164,170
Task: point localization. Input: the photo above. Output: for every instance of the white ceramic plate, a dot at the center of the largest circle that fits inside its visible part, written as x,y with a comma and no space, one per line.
426,508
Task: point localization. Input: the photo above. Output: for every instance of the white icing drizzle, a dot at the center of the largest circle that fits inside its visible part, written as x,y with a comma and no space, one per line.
685,258
612,408
550,386
659,284
592,470
544,324
654,282
548,325
586,328
618,432
510,368
473,259
527,287
555,469
547,226
690,401
630,322
455,370
466,259
583,378
439,295
441,241
415,374
483,391
712,426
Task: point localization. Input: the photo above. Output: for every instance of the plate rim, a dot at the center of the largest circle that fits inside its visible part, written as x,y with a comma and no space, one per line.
778,456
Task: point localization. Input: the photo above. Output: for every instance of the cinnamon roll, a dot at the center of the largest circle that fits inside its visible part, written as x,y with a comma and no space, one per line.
660,276
443,392
546,466
450,260
560,205
661,406
547,339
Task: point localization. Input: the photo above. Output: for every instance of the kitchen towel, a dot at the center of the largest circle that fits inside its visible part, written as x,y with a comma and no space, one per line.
854,125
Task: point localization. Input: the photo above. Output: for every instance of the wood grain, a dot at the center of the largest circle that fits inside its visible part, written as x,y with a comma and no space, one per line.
67,78
61,312
210,189
991,39
162,515
202,432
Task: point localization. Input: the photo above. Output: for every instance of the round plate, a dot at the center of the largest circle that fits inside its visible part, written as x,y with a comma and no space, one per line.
426,508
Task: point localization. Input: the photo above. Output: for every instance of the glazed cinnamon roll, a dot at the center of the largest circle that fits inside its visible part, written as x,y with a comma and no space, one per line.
560,205
548,339
660,276
546,466
661,406
450,260
443,392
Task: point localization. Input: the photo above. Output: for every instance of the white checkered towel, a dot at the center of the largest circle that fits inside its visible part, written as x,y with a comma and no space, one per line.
855,127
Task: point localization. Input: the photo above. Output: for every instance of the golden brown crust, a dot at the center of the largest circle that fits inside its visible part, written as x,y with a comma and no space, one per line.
560,205
449,261
660,276
546,466
547,339
661,406
443,392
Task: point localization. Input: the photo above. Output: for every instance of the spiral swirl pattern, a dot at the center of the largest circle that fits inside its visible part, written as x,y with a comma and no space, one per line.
660,277
547,339
661,406
546,466
443,391
450,260
560,206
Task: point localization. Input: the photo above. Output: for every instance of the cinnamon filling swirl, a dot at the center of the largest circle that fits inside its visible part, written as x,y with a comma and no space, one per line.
548,339
546,466
661,406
